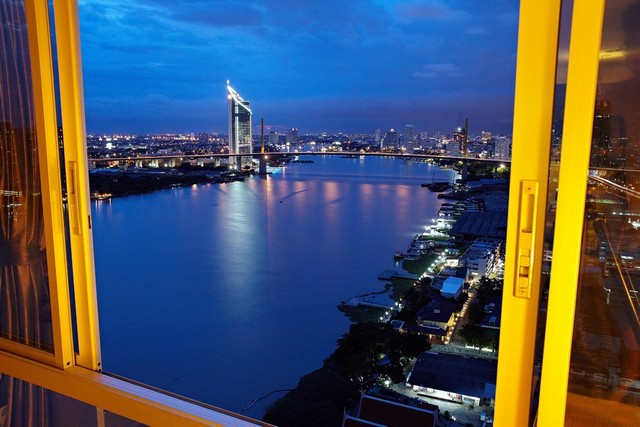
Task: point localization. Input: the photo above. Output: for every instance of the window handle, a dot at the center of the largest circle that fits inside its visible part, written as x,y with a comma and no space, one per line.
74,208
526,237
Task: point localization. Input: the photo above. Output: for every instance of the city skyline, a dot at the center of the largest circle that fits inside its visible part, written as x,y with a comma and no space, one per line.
352,67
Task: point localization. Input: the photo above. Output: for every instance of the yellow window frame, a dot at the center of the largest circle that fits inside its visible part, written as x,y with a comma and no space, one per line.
533,109
77,180
54,230
582,74
532,135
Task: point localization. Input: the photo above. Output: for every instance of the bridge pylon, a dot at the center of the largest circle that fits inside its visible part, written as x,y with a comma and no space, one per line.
262,162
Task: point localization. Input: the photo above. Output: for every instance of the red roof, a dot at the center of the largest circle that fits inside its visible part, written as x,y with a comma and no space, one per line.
355,422
394,414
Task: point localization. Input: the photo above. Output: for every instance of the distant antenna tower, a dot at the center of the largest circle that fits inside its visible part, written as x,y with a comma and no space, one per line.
465,142
262,135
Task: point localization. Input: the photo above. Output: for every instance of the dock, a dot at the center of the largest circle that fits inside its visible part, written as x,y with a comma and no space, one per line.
396,274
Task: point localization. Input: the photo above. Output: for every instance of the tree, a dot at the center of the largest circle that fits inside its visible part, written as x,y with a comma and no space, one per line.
424,281
487,288
462,299
475,313
407,315
372,351
412,346
319,400
474,335
414,300
494,339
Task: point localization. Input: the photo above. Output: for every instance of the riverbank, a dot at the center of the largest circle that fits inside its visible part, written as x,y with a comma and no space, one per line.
105,183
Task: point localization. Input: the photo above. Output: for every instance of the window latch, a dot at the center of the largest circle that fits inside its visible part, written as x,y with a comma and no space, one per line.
526,237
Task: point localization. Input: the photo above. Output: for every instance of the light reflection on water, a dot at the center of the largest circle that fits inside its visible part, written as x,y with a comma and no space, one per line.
226,292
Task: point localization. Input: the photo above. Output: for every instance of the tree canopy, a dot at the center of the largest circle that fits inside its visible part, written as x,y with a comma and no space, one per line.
367,354
370,351
318,400
487,288
477,336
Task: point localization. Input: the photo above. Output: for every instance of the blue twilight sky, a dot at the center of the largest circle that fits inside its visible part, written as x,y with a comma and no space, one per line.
330,65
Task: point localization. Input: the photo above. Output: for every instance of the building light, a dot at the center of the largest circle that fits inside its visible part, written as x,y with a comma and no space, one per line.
612,54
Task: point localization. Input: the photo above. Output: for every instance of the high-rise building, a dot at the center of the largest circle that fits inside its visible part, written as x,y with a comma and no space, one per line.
240,139
409,137
609,137
453,147
502,149
292,136
273,139
456,145
378,136
391,140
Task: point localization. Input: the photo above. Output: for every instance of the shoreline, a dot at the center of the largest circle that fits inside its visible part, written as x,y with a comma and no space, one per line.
108,183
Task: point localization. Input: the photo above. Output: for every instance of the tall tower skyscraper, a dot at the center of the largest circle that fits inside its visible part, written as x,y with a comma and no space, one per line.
240,139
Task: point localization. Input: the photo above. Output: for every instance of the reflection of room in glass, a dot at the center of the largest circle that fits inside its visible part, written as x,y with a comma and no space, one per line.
605,360
25,314
616,133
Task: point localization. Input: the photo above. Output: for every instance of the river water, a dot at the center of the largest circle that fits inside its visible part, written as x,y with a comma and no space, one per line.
225,292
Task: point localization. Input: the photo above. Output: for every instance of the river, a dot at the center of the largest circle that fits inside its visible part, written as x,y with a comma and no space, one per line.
225,292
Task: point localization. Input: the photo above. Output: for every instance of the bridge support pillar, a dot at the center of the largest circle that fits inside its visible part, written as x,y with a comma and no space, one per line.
262,166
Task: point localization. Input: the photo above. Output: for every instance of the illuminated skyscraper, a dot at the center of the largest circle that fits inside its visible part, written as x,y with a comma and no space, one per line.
240,140
292,136
274,139
391,140
502,148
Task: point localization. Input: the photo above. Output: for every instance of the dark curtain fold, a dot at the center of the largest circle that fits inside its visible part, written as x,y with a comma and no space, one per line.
25,315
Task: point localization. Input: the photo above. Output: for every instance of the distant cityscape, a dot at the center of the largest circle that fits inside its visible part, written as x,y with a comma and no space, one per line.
244,137
483,146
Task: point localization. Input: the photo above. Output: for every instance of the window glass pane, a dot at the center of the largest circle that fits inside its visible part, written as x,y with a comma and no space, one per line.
115,420
234,279
604,378
25,314
26,404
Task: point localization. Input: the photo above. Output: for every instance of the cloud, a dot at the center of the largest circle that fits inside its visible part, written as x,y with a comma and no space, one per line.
427,11
508,18
220,15
297,62
476,31
432,71
157,99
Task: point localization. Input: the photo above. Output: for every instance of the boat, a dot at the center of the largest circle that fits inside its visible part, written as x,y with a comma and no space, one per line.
437,187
